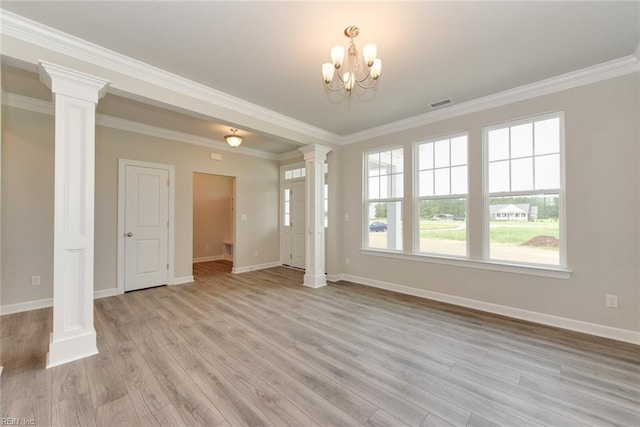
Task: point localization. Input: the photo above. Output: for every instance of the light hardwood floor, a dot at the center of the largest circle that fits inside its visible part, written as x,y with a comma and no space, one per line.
259,349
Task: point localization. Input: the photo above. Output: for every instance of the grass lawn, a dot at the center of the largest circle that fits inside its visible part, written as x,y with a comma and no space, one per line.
501,231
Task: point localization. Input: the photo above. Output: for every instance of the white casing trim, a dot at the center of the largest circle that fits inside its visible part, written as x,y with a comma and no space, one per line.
604,331
208,258
238,270
48,302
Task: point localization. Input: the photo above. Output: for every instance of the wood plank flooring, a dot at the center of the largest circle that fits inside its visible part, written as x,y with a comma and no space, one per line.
259,349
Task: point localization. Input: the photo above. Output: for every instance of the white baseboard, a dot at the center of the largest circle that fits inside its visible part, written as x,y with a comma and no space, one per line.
181,280
238,270
335,277
48,302
617,334
105,293
208,258
26,306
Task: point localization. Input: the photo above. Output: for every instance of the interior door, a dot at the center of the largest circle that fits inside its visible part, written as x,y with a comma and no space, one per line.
297,224
146,246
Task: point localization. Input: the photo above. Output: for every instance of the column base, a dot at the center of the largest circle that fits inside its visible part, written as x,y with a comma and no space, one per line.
72,348
311,281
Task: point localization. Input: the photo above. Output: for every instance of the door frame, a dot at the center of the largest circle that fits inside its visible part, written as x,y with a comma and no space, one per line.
122,166
284,184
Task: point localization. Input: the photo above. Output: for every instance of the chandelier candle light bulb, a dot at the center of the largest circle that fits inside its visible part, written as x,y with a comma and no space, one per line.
362,71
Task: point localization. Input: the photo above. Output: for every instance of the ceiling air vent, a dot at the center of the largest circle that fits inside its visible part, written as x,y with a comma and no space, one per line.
441,103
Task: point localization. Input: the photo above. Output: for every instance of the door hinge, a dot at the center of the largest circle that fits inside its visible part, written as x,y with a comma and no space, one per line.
290,256
167,224
168,183
167,266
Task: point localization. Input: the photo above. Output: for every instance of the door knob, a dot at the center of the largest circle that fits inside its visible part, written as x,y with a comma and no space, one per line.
129,234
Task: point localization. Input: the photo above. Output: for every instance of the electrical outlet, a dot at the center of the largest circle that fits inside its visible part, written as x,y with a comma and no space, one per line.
346,261
612,301
255,253
35,281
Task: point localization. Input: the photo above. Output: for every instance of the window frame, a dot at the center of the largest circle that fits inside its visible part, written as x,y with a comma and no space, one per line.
561,191
366,200
417,198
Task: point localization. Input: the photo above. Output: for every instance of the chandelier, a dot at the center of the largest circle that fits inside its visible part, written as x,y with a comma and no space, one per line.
361,71
234,140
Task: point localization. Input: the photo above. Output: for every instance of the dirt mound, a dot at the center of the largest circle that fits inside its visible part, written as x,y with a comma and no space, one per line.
543,241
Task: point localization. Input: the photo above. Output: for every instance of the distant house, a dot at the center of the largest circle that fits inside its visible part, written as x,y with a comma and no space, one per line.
511,212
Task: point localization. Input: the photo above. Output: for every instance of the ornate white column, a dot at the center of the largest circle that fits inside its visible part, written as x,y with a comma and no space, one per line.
314,158
75,97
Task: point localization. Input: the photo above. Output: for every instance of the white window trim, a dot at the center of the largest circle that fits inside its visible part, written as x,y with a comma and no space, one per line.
366,200
416,197
528,270
561,193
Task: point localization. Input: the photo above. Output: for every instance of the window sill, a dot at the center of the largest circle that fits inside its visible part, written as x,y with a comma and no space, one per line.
529,270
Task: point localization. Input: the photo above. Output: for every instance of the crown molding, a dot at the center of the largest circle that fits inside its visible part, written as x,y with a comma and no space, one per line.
607,70
157,132
46,107
27,103
40,35
294,154
35,33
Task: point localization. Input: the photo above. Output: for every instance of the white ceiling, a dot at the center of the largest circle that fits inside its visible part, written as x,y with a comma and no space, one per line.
270,53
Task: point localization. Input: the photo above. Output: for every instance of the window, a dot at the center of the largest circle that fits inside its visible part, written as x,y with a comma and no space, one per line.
442,196
326,205
524,191
295,173
383,204
286,208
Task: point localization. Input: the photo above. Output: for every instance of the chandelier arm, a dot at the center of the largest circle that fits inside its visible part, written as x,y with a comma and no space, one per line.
337,74
340,86
366,86
365,78
337,89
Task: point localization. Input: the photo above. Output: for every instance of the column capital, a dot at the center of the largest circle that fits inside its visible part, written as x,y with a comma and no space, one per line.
313,151
65,81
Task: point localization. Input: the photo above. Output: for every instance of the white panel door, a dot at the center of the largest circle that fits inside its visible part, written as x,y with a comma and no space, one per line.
297,224
146,246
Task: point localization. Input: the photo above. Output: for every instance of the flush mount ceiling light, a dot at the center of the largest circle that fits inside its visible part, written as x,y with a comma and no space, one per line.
359,70
234,140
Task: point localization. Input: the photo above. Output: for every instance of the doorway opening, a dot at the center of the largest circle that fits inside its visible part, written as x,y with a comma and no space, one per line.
213,218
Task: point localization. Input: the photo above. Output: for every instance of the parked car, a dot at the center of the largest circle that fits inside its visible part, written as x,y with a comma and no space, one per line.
377,226
442,217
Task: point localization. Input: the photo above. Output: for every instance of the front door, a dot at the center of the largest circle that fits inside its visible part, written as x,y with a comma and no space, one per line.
146,221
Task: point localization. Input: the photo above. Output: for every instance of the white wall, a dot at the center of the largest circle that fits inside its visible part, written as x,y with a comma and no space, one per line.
27,202
212,210
602,205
